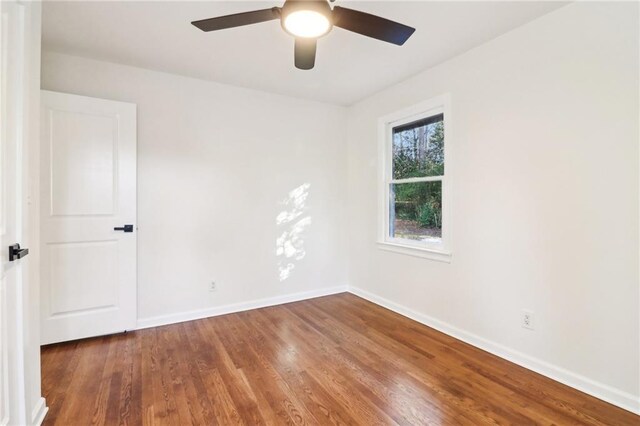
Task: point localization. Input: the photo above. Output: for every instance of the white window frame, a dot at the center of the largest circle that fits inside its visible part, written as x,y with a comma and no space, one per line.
440,251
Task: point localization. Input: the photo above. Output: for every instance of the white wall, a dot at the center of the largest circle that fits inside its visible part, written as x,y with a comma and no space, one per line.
216,166
545,199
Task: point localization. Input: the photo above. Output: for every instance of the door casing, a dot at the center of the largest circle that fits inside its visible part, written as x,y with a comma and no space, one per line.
21,402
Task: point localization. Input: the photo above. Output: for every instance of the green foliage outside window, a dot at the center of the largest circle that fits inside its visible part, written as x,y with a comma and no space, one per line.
419,152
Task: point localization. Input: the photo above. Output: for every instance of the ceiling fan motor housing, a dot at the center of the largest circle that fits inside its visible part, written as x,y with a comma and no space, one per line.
319,6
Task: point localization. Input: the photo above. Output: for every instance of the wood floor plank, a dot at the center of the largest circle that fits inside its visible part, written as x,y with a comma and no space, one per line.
486,369
356,346
333,360
438,372
323,408
328,372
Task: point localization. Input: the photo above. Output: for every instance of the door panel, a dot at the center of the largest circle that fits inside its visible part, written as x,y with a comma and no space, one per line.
88,160
82,163
83,276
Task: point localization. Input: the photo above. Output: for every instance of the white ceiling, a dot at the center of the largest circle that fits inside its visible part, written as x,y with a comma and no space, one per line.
349,67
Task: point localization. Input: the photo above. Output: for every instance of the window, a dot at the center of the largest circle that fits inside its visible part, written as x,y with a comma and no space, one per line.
414,164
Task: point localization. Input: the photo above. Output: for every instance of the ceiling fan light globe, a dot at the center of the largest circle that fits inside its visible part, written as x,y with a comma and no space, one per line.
306,24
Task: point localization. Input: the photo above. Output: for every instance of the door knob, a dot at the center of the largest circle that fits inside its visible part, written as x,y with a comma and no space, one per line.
125,228
15,252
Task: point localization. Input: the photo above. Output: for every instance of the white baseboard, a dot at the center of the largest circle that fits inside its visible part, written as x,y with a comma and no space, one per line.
601,391
236,307
38,412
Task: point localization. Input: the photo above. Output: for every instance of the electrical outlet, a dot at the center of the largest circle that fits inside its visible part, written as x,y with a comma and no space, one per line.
212,286
528,319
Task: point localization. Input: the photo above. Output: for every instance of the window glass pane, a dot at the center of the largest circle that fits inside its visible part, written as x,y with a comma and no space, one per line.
415,211
418,148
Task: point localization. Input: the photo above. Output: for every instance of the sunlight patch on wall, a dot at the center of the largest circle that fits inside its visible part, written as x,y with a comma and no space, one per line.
293,222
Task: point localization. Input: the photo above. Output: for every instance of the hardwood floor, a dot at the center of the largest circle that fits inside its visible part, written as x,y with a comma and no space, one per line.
332,360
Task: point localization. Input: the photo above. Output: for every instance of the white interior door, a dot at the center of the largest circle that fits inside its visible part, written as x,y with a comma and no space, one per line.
12,266
88,189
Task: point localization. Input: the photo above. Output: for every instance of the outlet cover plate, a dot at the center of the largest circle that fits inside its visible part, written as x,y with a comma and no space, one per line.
528,319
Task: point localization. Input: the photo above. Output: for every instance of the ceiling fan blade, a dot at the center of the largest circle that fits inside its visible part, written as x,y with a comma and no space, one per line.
305,53
238,19
371,25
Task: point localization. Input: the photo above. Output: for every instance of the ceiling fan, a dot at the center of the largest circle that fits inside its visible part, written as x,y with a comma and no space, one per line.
308,20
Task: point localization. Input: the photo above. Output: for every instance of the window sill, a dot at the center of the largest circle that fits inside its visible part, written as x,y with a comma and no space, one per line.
426,253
